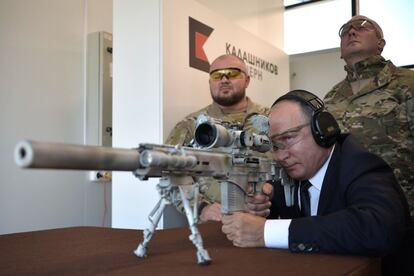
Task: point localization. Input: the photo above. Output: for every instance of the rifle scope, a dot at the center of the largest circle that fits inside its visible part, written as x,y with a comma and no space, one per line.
211,135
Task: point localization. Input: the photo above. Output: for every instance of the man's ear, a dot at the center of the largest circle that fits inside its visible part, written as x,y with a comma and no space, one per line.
247,81
381,45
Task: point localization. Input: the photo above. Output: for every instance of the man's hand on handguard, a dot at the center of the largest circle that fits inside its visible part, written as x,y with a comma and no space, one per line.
244,230
211,212
259,204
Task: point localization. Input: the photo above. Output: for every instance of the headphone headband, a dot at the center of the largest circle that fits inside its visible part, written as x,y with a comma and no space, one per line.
303,96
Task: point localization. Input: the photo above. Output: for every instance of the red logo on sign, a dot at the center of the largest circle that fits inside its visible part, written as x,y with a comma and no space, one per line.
198,35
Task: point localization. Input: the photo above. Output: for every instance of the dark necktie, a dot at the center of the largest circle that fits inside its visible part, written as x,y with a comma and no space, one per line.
304,198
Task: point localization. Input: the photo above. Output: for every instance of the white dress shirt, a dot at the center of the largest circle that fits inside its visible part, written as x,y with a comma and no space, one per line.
276,231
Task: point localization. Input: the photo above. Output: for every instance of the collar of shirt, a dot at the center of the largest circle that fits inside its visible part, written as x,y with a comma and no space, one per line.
317,179
364,69
316,187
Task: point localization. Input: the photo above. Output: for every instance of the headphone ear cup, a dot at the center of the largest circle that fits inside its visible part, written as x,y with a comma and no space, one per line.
325,129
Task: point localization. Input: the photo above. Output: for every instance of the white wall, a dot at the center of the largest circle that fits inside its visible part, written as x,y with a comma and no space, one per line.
186,89
316,72
137,109
263,18
42,97
314,26
99,15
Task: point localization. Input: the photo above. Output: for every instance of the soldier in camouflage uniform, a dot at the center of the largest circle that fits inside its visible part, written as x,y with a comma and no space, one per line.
228,83
375,101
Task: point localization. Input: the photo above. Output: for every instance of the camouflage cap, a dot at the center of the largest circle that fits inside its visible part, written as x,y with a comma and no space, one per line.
377,27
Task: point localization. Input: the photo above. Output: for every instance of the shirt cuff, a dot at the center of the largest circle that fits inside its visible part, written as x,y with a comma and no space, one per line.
276,233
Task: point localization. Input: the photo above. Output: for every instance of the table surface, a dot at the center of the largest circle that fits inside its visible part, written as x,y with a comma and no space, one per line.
95,250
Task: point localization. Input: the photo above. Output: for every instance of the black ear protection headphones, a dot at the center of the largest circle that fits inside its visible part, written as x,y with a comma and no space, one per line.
325,129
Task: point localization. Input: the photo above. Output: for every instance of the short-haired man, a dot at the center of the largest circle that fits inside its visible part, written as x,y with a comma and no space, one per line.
228,82
375,102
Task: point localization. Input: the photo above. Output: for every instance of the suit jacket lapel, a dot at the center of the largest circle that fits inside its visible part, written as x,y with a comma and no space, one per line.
330,182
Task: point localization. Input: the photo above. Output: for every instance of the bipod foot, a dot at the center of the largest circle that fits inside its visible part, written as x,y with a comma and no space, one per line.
141,251
202,257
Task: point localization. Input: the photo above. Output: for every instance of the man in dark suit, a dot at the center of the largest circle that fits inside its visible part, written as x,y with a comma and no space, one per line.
347,200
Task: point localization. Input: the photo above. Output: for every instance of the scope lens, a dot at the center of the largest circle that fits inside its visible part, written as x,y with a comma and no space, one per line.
205,135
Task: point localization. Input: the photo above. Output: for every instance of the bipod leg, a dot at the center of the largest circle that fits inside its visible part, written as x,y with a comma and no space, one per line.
154,218
203,257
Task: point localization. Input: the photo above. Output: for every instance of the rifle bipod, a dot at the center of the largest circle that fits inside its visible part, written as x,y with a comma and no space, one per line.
168,192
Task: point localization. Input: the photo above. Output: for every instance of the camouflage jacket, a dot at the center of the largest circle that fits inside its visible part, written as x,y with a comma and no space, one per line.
183,132
380,114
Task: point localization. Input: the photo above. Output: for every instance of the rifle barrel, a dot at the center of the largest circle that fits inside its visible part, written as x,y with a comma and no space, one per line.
34,154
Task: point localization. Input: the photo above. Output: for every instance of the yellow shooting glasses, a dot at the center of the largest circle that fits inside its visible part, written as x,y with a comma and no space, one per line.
229,73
